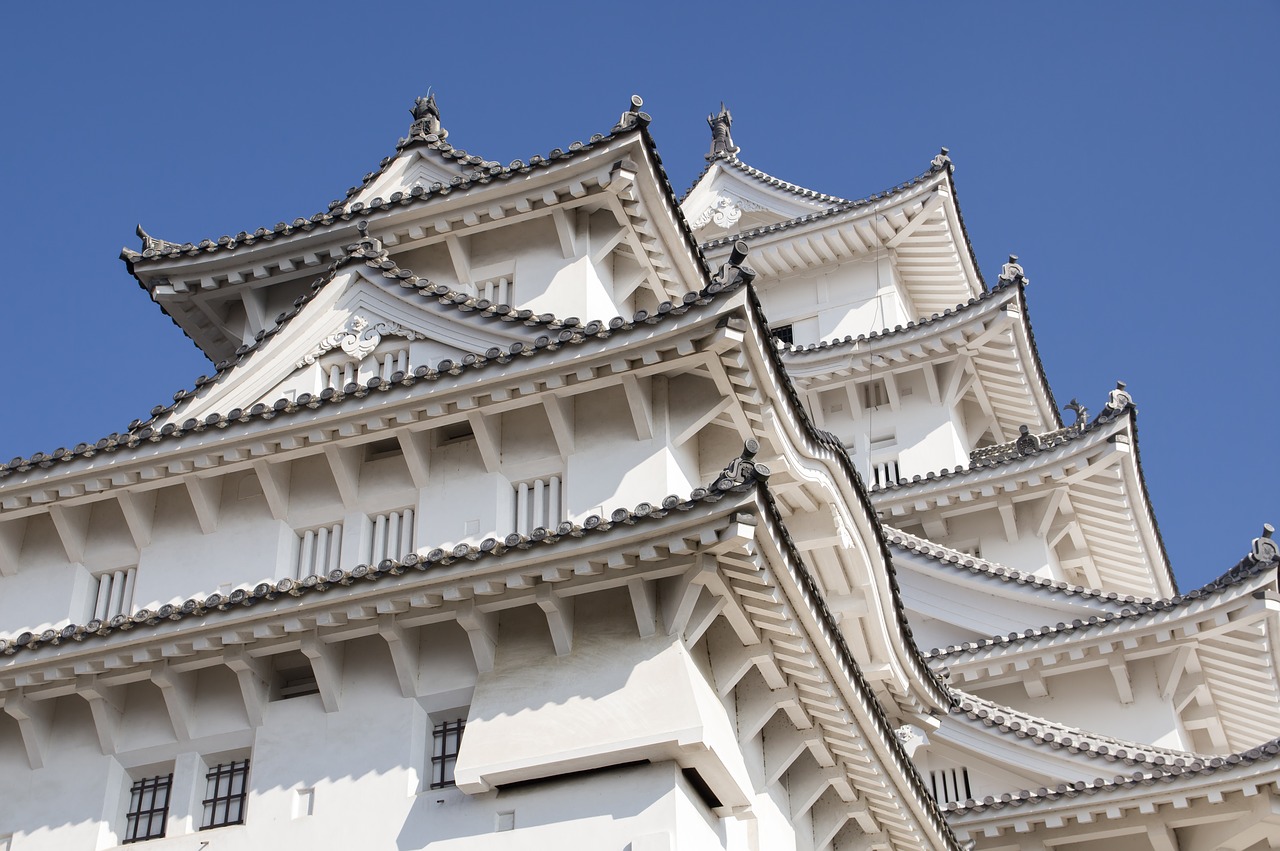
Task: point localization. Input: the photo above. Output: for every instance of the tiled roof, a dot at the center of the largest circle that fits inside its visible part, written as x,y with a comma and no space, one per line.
842,206
1246,569
1264,753
965,563
1061,437
566,332
973,304
490,548
1051,734
340,211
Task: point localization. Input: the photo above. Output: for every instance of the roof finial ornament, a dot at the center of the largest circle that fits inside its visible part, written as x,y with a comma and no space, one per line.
1119,399
1265,549
1081,412
632,116
426,118
722,147
743,471
943,160
734,271
1012,273
1027,443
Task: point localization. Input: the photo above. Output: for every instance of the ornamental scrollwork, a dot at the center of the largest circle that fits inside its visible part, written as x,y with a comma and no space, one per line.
358,338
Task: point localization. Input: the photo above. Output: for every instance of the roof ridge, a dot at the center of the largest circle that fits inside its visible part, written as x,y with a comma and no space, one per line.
770,180
340,210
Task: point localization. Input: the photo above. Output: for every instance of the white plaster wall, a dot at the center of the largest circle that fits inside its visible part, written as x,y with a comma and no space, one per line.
857,297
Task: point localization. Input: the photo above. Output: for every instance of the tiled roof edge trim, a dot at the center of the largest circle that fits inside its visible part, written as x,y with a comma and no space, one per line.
828,443
842,207
1260,754
963,562
1105,417
340,211
1244,570
975,303
817,601
1051,734
140,432
490,547
1150,509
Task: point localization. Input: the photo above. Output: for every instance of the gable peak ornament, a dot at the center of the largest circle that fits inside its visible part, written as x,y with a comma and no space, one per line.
942,160
358,338
1265,549
426,118
1012,272
1119,399
722,147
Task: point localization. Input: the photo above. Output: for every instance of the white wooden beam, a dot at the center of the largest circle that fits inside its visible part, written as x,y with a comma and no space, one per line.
35,719
106,705
206,500
460,256
345,463
274,479
482,631
254,678
139,510
416,458
488,432
72,525
178,691
566,232
404,645
560,416
931,206
1008,517
326,664
12,533
644,600
703,421
783,744
559,612
638,403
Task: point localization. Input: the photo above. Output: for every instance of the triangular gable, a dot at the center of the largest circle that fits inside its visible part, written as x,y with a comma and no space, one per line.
411,168
356,328
731,197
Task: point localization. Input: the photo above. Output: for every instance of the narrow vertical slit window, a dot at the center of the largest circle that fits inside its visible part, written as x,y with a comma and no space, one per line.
114,593
539,502
317,550
391,537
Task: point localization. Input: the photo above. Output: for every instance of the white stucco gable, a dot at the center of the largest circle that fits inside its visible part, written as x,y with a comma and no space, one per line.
412,168
355,328
731,197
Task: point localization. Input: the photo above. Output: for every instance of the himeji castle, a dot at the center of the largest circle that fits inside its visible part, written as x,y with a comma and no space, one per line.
538,506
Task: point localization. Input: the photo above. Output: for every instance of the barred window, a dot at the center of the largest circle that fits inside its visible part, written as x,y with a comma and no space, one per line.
444,752
226,788
148,808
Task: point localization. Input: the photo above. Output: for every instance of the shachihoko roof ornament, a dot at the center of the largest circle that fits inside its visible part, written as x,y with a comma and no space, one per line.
1265,549
1012,272
426,118
722,147
1119,399
1081,412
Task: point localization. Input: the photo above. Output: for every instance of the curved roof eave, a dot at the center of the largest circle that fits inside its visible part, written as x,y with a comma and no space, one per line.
1228,584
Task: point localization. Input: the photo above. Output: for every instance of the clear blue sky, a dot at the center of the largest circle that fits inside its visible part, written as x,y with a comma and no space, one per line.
1125,151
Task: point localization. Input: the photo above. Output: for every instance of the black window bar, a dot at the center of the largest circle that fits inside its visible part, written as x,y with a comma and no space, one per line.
226,788
783,333
444,753
148,808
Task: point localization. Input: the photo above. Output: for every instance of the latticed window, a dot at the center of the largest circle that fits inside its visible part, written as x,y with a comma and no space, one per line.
148,808
444,752
950,785
884,473
784,333
316,551
538,503
226,787
114,593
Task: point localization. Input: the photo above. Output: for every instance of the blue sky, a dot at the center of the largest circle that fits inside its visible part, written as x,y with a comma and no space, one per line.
1127,156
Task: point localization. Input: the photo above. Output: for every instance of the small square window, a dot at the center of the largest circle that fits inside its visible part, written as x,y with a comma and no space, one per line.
148,808
444,752
226,787
784,333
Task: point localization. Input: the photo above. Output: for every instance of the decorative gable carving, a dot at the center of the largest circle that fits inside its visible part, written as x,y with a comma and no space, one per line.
358,339
725,212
